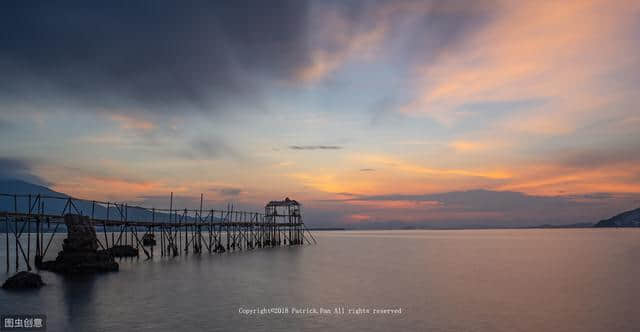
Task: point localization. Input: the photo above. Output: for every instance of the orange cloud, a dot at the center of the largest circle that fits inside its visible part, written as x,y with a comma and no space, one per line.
398,204
554,51
359,217
332,182
345,45
338,39
104,188
131,122
467,146
555,179
416,169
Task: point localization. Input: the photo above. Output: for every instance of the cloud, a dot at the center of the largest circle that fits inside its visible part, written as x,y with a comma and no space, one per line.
598,157
160,57
367,170
346,194
211,147
604,166
108,187
164,201
228,191
315,147
477,208
418,169
20,169
466,146
132,122
5,125
341,41
360,31
535,50
478,200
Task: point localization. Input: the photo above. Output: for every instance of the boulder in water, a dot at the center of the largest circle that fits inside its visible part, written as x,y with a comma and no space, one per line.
23,280
123,251
81,262
79,250
149,239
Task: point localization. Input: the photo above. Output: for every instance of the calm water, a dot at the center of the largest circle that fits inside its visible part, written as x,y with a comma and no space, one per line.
464,280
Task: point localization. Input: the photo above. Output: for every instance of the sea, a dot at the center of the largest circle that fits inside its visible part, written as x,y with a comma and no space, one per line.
573,280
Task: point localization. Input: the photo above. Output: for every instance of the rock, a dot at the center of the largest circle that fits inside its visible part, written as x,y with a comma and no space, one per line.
79,250
81,262
23,280
81,235
123,251
149,239
219,248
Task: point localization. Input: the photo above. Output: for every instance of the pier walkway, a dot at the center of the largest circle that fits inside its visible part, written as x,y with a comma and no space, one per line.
33,220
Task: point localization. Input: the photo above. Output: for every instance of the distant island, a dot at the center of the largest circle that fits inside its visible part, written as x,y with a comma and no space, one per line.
625,219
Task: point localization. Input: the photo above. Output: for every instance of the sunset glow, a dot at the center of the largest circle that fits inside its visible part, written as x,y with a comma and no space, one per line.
369,113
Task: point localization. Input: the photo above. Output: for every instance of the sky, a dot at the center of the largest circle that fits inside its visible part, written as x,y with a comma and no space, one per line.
371,113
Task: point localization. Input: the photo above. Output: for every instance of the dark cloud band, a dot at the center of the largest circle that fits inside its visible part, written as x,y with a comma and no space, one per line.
315,147
160,56
19,169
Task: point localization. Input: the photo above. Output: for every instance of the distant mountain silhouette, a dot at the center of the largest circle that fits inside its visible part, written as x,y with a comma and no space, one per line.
625,219
56,206
21,187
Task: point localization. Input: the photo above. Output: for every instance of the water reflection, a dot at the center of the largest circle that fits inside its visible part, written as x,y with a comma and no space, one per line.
480,280
79,300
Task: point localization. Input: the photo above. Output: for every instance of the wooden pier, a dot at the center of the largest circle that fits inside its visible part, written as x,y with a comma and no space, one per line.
34,220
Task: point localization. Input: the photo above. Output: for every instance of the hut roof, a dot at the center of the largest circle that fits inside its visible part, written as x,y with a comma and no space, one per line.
286,202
